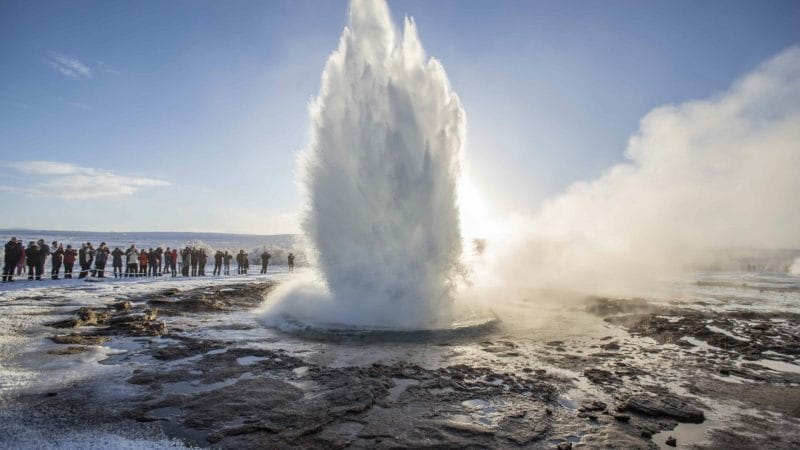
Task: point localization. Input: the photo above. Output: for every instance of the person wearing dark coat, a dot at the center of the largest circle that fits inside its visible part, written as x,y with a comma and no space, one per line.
290,258
240,262
217,263
174,262
34,255
117,255
100,259
69,261
44,252
186,260
86,260
159,261
82,260
202,258
195,258
58,260
226,260
152,262
265,261
12,257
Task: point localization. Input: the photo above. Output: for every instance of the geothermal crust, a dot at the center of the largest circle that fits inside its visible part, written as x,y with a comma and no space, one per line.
188,378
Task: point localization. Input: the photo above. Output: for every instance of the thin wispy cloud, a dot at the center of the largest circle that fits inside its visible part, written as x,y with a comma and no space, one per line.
68,181
69,66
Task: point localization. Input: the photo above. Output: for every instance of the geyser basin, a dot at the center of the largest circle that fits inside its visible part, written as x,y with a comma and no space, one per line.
381,176
471,324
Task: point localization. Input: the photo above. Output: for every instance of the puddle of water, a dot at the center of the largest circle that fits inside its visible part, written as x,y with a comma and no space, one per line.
567,403
484,412
726,333
400,386
700,345
476,403
249,360
780,366
687,435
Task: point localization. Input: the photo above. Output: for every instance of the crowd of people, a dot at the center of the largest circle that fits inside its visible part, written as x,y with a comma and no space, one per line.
132,262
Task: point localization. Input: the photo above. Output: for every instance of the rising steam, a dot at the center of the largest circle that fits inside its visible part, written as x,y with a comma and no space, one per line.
702,176
380,177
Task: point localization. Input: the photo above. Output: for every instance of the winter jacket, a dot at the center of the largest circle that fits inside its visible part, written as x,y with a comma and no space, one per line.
13,253
88,256
35,256
22,256
69,256
58,256
132,257
100,258
143,259
117,254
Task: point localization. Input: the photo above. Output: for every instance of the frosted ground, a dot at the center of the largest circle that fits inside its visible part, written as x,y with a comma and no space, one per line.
586,349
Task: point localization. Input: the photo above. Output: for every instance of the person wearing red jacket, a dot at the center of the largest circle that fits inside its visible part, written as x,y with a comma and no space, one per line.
174,262
143,256
69,261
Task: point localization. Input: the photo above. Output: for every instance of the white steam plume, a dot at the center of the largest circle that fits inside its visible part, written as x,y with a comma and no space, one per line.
702,175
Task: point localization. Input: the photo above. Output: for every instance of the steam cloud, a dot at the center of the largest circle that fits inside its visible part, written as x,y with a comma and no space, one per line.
701,176
381,175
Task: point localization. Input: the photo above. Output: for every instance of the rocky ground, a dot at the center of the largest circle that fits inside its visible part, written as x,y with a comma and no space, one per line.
664,376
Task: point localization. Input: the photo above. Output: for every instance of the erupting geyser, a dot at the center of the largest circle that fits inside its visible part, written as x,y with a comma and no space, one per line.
381,177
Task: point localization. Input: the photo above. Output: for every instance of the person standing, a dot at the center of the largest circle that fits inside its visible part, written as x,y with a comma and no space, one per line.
202,259
186,258
143,263
132,261
22,259
100,260
44,252
167,258
264,261
12,257
34,269
240,262
226,261
217,263
57,260
117,262
82,260
195,257
152,262
174,262
69,261
89,256
290,258
159,261
86,260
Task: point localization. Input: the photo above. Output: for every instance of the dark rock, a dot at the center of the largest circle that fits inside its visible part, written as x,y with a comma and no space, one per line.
667,405
602,306
122,306
594,405
71,350
79,339
672,442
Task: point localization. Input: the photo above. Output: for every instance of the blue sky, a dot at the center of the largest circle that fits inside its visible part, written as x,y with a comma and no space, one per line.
188,115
